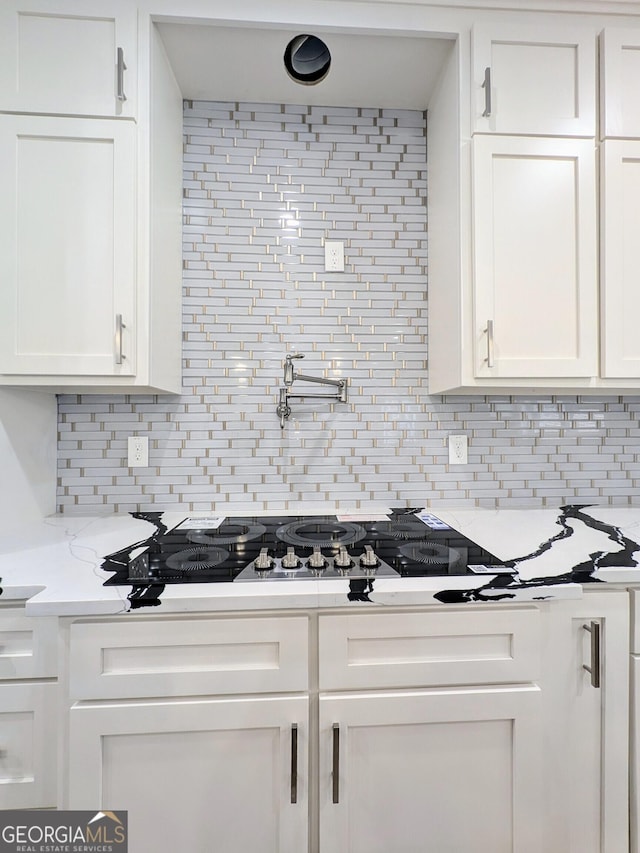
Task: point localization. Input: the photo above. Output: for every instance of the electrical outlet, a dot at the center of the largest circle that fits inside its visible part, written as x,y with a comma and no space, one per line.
138,451
458,449
333,256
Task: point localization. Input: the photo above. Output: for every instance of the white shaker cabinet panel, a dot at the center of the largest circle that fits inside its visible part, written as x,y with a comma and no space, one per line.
197,774
620,82
69,57
620,258
586,723
535,257
534,80
453,769
67,246
28,745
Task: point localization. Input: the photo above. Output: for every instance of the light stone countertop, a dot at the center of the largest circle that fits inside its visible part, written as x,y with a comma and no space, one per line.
554,551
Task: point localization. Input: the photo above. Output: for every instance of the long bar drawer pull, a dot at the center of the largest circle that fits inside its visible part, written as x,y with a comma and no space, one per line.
294,763
594,670
120,95
487,93
119,327
336,763
489,332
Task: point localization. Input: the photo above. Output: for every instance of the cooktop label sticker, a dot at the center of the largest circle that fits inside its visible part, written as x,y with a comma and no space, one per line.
492,570
432,521
204,522
370,516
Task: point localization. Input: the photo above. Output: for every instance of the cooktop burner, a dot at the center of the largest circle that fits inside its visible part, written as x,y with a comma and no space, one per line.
322,532
406,542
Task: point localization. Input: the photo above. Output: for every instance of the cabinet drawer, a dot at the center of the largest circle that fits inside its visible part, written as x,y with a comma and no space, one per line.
182,657
28,745
429,648
28,646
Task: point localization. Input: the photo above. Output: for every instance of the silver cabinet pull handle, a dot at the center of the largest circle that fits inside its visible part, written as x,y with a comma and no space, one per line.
294,763
120,95
594,670
336,763
119,327
489,331
487,93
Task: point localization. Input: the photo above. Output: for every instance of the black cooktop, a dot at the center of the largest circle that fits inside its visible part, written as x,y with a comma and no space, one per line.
405,542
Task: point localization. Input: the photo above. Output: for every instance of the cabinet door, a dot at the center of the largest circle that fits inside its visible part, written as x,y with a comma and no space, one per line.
28,746
68,57
586,728
535,257
620,257
67,238
447,770
534,80
198,775
620,82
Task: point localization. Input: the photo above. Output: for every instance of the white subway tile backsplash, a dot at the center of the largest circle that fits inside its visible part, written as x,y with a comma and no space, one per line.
264,186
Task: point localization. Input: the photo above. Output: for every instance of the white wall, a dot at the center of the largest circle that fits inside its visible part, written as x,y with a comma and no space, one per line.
28,435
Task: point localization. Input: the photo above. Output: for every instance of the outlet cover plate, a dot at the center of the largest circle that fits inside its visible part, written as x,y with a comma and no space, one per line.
138,451
333,256
458,449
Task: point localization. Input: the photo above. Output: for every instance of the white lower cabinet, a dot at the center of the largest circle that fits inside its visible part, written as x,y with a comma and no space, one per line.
28,745
447,770
447,729
196,774
442,751
198,727
634,768
28,709
586,727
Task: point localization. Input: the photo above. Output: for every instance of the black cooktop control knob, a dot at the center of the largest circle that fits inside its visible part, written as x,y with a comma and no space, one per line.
317,562
290,559
369,560
263,562
343,561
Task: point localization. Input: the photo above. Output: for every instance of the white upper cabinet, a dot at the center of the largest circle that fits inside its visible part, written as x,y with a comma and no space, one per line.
535,257
533,80
68,58
91,215
67,246
620,82
620,257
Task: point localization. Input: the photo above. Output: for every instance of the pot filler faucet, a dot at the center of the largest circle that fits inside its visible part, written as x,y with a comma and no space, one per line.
290,375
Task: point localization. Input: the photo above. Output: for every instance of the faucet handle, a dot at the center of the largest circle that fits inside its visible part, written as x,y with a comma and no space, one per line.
289,374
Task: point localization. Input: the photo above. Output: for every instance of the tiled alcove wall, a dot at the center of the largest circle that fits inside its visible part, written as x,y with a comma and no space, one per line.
264,187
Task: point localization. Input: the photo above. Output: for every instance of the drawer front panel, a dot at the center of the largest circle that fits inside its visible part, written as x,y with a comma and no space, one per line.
181,657
28,646
431,648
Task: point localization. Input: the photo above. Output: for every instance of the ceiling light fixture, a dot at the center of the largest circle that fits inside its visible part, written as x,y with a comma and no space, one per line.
307,59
